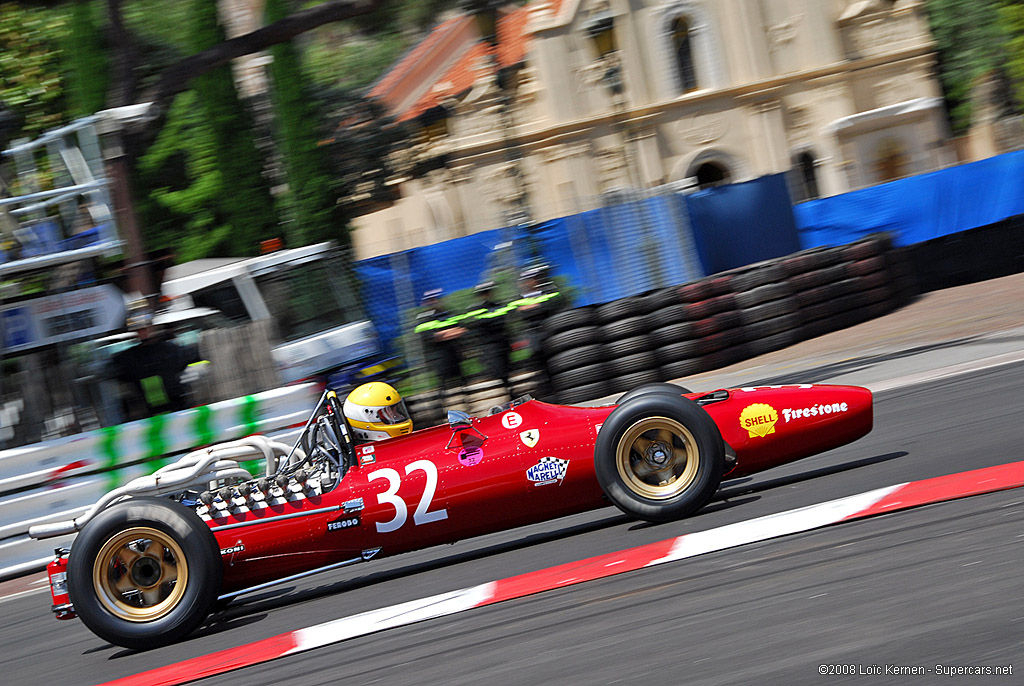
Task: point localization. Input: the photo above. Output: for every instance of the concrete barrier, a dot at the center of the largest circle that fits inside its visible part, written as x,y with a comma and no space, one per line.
60,479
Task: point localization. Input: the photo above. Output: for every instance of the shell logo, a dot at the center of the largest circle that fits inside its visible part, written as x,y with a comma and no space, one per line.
759,419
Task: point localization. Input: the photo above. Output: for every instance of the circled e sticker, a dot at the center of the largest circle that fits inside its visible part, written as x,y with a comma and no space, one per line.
759,419
471,455
511,420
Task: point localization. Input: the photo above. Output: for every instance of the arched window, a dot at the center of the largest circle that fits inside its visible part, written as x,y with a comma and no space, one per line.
682,44
711,174
804,177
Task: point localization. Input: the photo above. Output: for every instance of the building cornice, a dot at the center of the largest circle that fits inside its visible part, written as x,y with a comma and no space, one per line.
752,92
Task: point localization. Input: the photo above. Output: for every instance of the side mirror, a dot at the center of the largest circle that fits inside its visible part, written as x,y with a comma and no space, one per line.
459,420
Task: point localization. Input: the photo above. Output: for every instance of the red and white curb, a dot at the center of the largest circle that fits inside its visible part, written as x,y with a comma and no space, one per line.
879,501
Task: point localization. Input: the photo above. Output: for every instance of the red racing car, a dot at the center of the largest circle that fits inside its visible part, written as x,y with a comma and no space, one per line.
155,557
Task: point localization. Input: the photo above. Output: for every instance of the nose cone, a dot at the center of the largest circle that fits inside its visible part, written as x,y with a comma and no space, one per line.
848,410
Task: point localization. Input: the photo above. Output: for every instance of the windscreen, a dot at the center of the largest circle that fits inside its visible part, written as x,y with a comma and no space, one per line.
309,298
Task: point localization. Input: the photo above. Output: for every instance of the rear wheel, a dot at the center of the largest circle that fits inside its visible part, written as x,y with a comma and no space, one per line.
659,457
144,573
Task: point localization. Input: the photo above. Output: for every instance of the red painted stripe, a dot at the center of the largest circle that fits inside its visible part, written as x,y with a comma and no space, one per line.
950,487
572,573
909,495
215,663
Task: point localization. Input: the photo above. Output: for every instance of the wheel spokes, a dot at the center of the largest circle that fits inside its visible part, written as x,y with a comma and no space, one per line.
658,458
144,574
152,596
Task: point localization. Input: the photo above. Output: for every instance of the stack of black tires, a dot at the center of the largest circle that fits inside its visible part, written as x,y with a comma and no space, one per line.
674,332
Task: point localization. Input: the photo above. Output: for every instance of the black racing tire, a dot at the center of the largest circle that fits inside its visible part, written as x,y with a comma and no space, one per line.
623,308
641,432
711,306
667,316
628,346
663,297
677,370
627,381
694,292
761,294
573,338
869,246
719,285
817,278
581,376
647,389
630,364
728,320
569,319
767,344
774,308
869,265
772,326
576,357
625,328
802,262
673,333
756,277
579,394
673,352
101,559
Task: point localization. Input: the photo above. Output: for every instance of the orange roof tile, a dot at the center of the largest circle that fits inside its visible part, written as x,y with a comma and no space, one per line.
511,49
414,56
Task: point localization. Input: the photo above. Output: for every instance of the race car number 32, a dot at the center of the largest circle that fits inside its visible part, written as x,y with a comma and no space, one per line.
422,515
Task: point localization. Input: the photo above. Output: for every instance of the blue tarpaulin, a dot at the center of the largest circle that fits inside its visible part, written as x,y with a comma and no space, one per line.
743,223
602,255
919,208
402,278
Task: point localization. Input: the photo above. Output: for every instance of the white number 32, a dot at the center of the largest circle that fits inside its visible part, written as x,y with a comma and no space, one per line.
390,496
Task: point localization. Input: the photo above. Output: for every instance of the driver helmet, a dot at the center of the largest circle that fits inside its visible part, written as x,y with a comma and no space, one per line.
376,411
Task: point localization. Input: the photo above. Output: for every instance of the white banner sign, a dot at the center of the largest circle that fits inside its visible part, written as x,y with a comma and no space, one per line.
84,313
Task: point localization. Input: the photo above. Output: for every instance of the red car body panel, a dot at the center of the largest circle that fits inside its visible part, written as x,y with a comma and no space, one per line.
526,465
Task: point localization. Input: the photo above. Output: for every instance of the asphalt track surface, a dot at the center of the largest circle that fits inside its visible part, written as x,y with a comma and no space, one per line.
939,585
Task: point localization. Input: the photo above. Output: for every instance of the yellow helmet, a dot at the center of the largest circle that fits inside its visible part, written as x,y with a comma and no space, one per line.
376,411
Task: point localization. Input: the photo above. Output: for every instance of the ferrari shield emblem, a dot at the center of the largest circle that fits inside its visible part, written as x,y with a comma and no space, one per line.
530,438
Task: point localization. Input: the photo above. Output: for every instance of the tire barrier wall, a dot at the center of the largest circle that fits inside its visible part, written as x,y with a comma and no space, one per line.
60,479
716,321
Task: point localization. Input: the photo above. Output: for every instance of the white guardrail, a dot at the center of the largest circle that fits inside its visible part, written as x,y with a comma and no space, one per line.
60,479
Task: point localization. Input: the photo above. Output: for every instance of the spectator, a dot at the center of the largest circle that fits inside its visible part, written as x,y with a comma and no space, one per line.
442,339
540,299
152,368
489,322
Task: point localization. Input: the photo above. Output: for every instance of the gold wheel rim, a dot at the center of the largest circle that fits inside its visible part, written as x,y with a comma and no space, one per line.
657,458
140,574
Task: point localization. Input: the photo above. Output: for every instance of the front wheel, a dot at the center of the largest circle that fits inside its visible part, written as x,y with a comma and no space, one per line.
660,387
144,573
659,457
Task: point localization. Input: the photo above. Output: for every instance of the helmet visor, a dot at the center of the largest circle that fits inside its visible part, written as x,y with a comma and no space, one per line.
393,414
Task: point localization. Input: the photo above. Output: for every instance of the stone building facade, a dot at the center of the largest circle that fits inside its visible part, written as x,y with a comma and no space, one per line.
841,93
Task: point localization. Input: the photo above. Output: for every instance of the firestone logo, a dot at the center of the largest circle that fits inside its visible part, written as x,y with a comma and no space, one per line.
816,410
759,419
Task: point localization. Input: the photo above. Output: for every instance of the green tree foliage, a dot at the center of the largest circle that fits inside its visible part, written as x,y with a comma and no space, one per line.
310,196
1011,20
969,44
247,205
85,60
338,57
30,70
181,208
